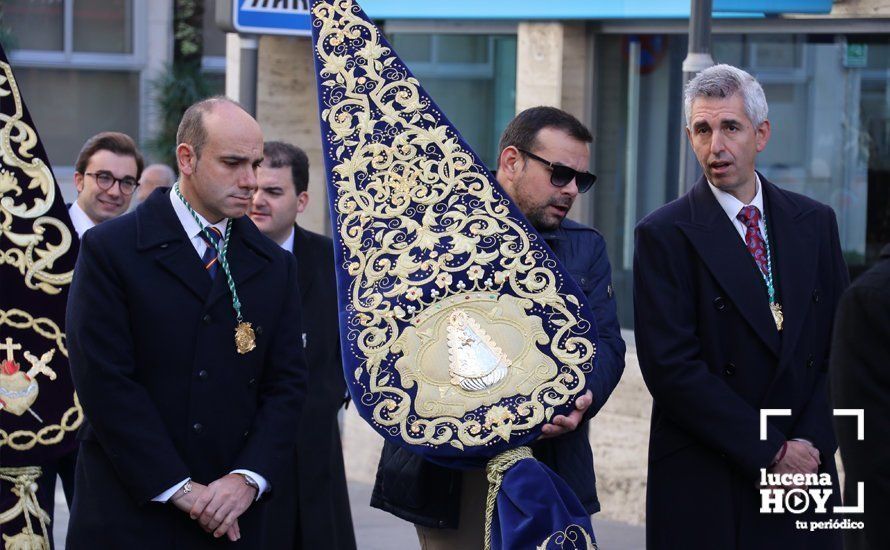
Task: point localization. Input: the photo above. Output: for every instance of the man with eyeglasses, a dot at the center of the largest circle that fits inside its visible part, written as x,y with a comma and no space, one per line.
543,166
106,173
106,176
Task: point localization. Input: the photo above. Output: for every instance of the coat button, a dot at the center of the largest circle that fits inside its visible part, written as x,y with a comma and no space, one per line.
729,370
719,303
811,362
197,427
202,374
206,318
817,295
259,330
251,383
245,434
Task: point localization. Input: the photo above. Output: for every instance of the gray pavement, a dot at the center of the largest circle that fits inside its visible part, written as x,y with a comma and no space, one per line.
377,530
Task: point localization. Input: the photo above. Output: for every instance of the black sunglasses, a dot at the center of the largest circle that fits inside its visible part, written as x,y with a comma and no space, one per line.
563,175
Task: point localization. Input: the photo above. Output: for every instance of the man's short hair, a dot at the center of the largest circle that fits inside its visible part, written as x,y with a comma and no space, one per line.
723,81
522,132
191,128
277,154
116,142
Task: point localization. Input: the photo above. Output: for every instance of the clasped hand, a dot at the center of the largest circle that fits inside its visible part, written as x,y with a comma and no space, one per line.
217,507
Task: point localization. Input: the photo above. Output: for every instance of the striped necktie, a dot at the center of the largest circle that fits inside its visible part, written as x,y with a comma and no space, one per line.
210,257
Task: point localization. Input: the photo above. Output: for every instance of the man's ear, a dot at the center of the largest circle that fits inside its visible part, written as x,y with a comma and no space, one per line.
186,159
78,182
762,135
510,163
302,201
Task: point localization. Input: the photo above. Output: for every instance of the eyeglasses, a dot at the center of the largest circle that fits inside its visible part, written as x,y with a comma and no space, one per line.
563,175
106,180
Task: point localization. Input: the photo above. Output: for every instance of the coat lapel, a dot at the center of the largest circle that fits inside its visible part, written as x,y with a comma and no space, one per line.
718,244
305,272
158,228
794,248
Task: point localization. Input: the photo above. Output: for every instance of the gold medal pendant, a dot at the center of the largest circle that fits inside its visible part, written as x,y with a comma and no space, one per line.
778,316
245,338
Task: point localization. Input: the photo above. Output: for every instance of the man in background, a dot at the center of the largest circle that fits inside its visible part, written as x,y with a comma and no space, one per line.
153,177
106,175
315,493
106,172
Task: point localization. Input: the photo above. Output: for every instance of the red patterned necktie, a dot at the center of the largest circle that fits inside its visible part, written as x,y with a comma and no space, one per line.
750,216
210,257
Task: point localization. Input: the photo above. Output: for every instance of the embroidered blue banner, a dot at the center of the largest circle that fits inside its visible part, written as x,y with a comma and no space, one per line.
462,335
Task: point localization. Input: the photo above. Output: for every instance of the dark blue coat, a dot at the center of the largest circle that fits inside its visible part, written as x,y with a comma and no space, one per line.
712,358
166,396
428,494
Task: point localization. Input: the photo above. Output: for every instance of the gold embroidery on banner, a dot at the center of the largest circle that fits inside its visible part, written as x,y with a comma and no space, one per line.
574,537
23,484
51,434
414,215
31,252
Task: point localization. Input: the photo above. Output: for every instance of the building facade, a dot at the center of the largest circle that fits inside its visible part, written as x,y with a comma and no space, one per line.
87,65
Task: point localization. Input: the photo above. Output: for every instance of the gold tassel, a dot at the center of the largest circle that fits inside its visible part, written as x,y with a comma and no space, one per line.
24,486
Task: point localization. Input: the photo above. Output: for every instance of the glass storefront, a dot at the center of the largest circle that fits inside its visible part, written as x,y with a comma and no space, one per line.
830,114
472,77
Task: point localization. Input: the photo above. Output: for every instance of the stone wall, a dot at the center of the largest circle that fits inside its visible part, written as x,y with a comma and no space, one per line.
287,110
861,8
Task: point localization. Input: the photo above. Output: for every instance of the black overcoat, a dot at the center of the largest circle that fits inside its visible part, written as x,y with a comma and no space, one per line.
315,513
165,394
860,379
712,358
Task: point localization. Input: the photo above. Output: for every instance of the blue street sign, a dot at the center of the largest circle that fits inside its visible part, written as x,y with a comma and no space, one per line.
289,17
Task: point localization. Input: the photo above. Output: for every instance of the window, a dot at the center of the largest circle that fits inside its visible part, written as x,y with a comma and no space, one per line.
472,77
36,25
79,65
87,109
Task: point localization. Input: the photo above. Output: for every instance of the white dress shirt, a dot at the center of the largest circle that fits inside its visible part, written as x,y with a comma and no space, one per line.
732,206
288,243
193,230
79,219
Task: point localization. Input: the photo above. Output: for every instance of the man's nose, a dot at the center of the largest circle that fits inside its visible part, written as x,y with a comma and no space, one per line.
258,198
115,189
571,188
248,180
716,142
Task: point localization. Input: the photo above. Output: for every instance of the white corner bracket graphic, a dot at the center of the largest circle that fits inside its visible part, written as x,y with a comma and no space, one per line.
860,502
765,414
860,420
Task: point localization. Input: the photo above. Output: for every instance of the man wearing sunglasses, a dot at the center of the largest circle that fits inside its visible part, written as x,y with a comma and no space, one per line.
543,166
106,176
